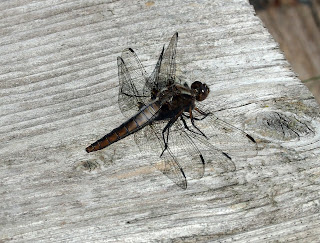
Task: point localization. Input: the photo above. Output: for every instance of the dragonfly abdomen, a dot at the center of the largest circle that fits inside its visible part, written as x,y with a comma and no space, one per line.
144,117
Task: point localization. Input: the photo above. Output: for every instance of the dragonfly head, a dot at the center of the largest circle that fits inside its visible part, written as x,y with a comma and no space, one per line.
201,90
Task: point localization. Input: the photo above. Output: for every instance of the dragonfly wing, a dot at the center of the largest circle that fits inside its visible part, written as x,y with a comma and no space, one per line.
152,87
199,152
217,158
227,137
149,141
132,79
182,146
167,70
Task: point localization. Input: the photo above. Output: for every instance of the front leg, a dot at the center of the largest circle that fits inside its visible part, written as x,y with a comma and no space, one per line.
203,113
192,120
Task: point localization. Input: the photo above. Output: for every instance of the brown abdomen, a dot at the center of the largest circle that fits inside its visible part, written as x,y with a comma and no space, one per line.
144,117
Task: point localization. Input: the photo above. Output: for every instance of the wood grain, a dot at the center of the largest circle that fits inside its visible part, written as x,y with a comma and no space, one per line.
59,90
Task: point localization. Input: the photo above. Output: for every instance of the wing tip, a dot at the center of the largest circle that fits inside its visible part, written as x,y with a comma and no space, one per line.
251,138
227,155
119,59
202,159
184,185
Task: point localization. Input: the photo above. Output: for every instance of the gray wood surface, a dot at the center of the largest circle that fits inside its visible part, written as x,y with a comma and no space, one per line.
59,88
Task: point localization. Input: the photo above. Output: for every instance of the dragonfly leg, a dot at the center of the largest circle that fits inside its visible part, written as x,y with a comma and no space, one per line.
205,114
193,124
187,127
166,129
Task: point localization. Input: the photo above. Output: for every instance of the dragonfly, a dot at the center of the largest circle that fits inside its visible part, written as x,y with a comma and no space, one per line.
166,117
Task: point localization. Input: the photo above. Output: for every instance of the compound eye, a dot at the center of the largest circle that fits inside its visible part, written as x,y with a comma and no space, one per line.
202,90
203,93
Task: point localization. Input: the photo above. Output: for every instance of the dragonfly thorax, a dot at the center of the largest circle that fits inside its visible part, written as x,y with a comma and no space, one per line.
201,90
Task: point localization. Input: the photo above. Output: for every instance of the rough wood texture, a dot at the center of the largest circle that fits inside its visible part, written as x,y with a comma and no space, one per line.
59,93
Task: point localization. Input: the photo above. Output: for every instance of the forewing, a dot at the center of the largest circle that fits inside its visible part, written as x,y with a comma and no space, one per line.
219,160
164,72
199,151
167,70
149,141
132,79
226,137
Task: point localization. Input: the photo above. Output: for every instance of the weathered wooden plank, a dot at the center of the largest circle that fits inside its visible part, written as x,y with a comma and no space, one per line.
59,93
